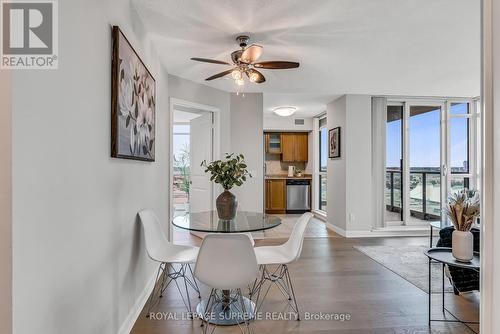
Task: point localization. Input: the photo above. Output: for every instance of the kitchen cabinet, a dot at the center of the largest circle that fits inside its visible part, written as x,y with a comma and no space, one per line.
301,147
288,147
273,142
294,147
276,196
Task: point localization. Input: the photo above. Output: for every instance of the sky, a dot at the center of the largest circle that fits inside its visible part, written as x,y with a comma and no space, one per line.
424,138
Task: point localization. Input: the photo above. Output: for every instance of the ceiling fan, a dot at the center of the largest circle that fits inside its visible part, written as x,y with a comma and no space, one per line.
244,62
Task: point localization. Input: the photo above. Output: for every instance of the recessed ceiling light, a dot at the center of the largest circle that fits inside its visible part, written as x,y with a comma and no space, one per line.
284,111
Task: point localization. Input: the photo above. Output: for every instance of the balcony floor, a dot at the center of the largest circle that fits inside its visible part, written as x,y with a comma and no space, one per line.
391,218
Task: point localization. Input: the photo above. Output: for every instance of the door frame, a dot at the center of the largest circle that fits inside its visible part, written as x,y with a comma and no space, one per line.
406,152
215,148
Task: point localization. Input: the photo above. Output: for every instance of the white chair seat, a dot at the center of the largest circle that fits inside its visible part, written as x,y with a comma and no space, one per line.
281,256
175,254
272,255
167,254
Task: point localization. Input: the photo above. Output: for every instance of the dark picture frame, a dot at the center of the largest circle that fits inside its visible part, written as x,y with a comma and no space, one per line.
334,143
133,103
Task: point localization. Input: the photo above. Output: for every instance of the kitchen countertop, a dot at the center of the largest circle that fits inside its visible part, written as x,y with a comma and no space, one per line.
286,177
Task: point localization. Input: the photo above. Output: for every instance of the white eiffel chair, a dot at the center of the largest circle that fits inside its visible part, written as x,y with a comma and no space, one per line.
280,256
161,250
226,263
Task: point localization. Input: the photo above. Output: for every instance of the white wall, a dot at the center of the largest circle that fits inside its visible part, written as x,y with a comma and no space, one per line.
495,229
286,123
349,196
336,168
5,205
490,252
78,250
194,92
358,152
247,138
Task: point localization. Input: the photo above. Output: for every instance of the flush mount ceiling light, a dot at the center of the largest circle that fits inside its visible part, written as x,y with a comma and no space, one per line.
284,111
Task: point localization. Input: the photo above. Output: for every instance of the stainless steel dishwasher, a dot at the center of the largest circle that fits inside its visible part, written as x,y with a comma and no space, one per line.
298,196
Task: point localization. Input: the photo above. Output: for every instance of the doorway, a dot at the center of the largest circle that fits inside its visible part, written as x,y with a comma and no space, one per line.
193,140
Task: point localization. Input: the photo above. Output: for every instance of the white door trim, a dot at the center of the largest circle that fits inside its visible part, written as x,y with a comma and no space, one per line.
215,149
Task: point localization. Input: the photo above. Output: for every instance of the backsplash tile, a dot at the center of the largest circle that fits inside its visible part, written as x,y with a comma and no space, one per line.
274,166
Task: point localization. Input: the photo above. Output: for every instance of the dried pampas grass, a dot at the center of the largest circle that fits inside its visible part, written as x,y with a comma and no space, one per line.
463,209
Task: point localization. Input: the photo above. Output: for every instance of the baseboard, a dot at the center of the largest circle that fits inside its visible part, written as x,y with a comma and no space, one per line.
379,233
383,232
134,313
320,215
336,229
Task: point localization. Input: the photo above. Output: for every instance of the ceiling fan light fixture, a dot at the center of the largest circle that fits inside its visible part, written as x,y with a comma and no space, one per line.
284,111
244,63
236,74
253,77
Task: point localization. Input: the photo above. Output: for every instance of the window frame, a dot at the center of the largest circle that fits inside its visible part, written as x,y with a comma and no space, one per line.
321,173
472,177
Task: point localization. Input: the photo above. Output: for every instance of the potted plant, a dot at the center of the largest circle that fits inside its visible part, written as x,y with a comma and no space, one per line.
228,173
463,209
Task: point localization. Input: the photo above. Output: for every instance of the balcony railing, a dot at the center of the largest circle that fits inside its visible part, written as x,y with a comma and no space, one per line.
425,194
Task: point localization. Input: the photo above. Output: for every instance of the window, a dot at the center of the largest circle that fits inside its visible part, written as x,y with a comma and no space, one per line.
429,150
181,168
459,146
394,159
323,158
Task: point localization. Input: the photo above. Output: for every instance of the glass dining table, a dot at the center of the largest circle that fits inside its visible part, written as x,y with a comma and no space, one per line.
244,221
226,312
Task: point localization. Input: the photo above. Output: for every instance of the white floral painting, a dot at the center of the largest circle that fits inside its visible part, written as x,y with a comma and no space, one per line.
134,101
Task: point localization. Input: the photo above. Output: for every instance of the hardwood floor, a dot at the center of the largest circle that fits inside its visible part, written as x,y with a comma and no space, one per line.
332,277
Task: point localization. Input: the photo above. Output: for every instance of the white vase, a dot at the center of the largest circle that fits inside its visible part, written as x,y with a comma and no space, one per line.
462,245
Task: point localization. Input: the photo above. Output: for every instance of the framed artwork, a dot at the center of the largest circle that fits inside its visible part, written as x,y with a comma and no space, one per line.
133,102
334,143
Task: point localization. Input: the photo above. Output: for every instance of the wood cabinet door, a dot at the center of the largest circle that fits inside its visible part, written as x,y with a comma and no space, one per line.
268,195
266,142
275,195
301,147
288,147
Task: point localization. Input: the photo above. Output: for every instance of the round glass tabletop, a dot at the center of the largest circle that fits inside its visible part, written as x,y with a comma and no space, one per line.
209,221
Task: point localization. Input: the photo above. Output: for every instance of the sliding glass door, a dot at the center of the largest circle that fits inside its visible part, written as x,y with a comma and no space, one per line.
428,151
394,163
425,158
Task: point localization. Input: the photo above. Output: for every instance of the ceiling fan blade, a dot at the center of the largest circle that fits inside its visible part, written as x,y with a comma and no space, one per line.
276,65
251,54
219,75
255,76
213,61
